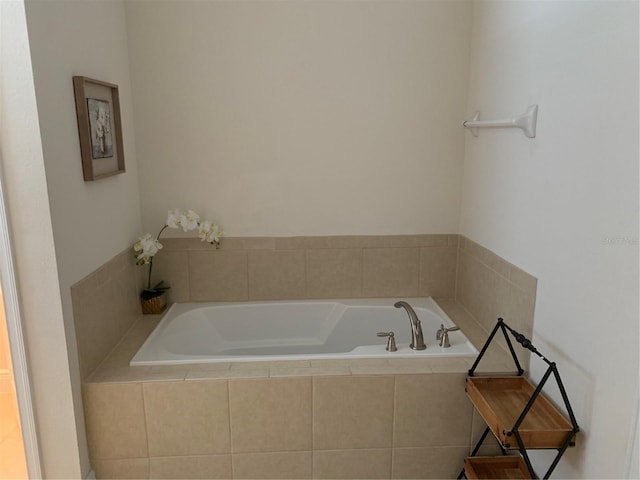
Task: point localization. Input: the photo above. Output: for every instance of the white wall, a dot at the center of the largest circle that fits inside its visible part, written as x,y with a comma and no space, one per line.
92,221
37,274
564,206
301,118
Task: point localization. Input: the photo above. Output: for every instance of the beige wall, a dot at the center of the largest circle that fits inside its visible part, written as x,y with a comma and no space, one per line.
301,118
564,206
37,274
92,222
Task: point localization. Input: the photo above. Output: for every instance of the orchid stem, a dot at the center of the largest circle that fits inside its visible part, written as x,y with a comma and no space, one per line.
151,261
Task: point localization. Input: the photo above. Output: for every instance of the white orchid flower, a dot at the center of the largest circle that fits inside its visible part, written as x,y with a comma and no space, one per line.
148,247
173,218
189,221
203,229
209,232
215,234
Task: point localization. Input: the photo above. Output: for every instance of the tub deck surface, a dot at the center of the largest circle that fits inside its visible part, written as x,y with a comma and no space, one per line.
115,368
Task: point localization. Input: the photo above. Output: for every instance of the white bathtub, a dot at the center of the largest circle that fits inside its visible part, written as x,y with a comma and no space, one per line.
288,330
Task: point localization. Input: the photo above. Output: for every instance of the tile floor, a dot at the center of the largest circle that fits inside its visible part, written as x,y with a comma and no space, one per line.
12,459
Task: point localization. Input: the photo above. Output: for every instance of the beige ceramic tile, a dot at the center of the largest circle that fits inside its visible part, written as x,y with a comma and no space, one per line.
290,243
433,462
496,263
427,240
270,364
275,275
184,244
188,467
451,364
526,282
334,273
490,445
347,464
471,328
486,257
516,307
128,468
105,306
201,367
187,418
270,415
438,271
126,293
477,287
390,272
173,268
331,363
496,359
308,371
427,406
248,243
346,241
277,465
114,417
352,412
453,240
218,276
121,355
394,368
108,374
93,312
199,375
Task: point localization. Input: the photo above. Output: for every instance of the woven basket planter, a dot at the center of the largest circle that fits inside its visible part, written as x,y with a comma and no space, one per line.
155,305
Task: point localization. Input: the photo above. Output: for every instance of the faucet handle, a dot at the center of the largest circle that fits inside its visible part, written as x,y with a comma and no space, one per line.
442,331
443,335
391,342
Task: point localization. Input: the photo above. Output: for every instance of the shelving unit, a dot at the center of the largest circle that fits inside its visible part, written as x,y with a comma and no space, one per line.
518,416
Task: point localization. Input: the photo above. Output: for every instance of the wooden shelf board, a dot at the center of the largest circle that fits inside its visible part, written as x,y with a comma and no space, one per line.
501,400
495,468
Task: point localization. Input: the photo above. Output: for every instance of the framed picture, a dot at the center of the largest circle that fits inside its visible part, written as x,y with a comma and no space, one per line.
99,128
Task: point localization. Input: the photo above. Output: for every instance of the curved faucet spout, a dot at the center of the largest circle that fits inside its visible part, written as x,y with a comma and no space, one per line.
417,340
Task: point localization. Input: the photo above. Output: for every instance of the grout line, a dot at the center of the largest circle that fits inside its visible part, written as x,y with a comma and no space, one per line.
189,294
313,426
393,424
455,286
306,272
231,450
362,268
248,276
146,431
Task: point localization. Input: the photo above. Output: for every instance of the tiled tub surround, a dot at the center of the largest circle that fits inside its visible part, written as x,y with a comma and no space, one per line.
105,305
394,418
490,287
290,268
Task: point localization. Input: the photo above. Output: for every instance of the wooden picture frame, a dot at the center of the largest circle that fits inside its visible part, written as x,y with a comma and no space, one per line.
99,128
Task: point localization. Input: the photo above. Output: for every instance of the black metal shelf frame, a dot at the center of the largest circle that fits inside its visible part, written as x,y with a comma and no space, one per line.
552,369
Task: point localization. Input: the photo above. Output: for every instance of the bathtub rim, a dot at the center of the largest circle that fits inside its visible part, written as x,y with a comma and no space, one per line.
403,353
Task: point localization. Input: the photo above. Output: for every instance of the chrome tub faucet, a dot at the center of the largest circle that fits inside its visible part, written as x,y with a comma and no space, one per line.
417,341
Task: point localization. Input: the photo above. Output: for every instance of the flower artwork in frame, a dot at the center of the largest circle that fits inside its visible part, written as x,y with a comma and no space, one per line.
99,128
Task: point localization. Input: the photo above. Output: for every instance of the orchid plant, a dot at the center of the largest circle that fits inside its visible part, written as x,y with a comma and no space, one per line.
147,246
